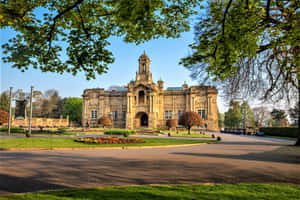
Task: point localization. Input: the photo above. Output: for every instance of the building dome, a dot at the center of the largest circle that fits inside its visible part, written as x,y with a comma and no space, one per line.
144,56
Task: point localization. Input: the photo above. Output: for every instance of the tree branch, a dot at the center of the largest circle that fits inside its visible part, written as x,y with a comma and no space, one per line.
224,17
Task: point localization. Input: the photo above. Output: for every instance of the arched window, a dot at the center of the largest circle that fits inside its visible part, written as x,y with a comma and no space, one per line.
141,97
144,67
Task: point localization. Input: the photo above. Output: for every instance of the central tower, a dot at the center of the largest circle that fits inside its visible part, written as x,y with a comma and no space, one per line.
144,75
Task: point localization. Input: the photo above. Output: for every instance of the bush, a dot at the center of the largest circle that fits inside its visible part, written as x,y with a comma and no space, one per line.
280,131
104,121
213,135
219,138
13,129
171,123
120,132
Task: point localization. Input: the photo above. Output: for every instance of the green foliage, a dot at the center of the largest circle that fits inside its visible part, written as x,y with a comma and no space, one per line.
12,129
221,118
294,114
278,114
4,102
233,117
82,29
249,46
73,108
248,114
281,131
119,132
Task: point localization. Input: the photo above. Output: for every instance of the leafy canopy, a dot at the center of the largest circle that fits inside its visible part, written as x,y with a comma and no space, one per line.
80,30
251,46
73,108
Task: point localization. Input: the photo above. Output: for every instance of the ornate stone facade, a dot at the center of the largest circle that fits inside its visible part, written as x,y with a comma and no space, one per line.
144,104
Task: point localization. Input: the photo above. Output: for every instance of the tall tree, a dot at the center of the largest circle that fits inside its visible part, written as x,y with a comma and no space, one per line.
278,115
251,47
81,28
4,102
261,114
294,114
221,119
73,108
247,114
233,117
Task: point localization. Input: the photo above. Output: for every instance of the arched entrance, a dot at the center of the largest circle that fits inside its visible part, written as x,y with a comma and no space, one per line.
144,120
141,120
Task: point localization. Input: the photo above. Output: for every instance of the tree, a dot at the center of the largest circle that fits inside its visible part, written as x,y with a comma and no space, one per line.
294,114
247,114
4,101
190,119
278,115
221,119
171,123
233,117
261,114
73,108
82,29
4,117
104,121
249,47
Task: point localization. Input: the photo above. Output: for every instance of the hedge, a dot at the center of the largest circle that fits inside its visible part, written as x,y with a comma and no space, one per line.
281,131
12,129
120,132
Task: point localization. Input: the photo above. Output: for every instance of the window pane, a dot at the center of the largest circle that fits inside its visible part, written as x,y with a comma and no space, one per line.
166,114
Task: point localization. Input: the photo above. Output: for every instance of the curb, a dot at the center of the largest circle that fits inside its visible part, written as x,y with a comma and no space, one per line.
98,148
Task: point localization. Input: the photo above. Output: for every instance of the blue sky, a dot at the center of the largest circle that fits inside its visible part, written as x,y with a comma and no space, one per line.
164,54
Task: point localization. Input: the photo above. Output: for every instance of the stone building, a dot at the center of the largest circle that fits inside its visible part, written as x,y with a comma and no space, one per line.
145,104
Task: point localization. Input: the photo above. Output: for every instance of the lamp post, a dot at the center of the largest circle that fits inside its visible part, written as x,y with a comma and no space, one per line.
9,117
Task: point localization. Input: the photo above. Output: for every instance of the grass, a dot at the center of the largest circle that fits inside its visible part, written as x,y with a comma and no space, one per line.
198,135
178,192
70,143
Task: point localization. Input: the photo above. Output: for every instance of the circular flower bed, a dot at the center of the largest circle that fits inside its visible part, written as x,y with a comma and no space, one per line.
102,140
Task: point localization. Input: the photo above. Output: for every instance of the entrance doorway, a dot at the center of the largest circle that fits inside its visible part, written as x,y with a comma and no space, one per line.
141,120
144,120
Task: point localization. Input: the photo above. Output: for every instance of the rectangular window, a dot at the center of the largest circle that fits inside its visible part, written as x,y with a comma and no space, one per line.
180,113
170,114
202,114
124,115
93,114
166,114
115,115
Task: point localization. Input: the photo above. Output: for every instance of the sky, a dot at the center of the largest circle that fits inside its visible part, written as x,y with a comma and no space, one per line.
165,55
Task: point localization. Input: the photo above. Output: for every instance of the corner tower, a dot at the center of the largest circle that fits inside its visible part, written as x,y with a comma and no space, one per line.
144,69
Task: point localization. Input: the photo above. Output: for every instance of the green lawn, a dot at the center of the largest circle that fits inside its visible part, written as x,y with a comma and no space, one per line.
69,142
178,192
191,135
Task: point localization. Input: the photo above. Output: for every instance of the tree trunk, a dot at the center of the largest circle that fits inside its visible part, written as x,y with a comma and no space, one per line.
298,139
189,130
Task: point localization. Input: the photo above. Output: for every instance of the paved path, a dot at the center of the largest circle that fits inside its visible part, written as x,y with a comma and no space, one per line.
236,159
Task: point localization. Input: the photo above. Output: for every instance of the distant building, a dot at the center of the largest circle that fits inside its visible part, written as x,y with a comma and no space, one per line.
145,104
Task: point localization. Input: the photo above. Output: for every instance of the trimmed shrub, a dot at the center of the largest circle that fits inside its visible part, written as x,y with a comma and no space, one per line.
120,132
171,123
104,121
281,131
13,129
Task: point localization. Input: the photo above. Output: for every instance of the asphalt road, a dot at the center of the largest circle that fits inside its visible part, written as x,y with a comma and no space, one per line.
237,159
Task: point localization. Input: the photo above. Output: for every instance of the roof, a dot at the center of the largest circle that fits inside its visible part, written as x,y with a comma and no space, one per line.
121,90
175,88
